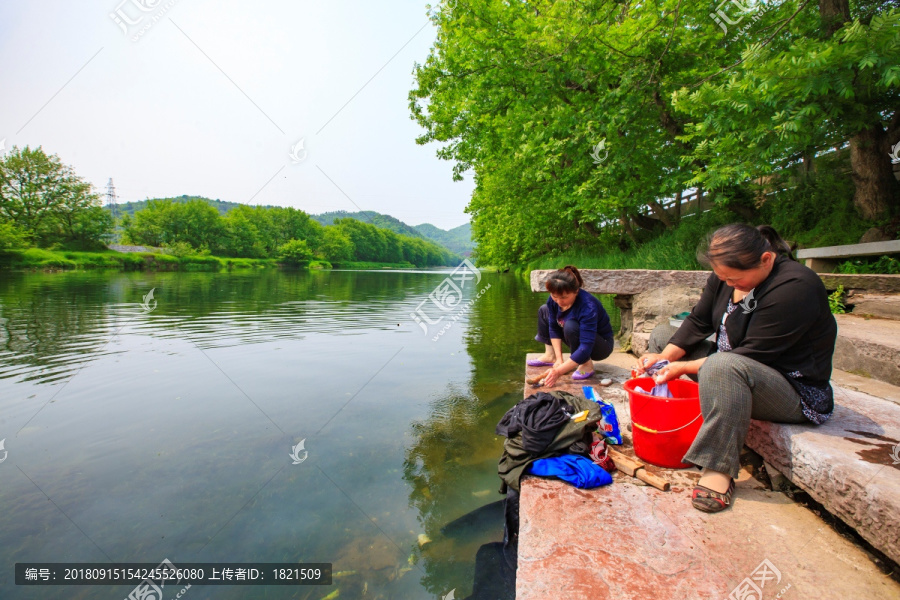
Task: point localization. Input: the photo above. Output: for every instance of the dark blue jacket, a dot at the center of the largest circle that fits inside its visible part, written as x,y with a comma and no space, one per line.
592,321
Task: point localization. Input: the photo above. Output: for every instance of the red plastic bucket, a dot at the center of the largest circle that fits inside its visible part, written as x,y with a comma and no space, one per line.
664,428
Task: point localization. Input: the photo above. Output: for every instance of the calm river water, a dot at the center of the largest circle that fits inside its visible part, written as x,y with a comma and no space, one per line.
137,435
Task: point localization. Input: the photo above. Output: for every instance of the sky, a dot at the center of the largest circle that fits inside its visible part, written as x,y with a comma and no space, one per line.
297,103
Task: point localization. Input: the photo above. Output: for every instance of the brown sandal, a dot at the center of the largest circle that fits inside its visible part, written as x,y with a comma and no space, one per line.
711,501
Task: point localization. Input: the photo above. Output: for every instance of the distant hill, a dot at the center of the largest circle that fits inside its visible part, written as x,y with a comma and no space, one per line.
129,208
370,216
458,239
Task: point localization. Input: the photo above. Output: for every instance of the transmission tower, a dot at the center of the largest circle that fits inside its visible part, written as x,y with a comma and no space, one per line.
111,200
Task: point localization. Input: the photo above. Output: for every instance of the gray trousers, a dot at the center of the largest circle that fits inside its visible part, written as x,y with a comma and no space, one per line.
733,390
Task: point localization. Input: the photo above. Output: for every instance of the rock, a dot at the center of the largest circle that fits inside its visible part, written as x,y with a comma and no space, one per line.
653,307
874,235
424,540
780,483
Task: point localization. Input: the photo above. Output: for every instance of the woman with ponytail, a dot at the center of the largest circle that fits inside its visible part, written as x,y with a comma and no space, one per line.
575,316
772,356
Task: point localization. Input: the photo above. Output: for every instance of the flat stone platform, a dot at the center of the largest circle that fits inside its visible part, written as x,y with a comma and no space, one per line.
631,541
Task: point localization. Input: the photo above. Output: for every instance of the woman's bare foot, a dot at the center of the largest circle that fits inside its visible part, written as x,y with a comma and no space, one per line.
549,355
714,480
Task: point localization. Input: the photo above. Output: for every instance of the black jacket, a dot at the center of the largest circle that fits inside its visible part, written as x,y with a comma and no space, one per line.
790,327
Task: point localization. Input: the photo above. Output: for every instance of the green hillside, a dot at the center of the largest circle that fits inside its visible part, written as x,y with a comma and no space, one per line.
458,239
129,208
369,216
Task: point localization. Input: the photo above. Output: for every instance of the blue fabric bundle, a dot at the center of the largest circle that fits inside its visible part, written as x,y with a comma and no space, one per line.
572,468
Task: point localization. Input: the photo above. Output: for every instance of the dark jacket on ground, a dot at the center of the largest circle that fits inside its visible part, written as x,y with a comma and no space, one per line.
516,458
789,326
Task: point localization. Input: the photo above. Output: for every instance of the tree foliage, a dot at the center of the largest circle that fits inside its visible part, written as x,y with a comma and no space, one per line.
44,200
578,118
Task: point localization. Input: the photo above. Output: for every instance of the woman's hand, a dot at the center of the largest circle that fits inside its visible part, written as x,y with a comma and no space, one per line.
672,371
552,376
646,361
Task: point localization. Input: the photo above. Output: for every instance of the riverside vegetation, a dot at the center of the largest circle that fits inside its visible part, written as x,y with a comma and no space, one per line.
587,123
50,218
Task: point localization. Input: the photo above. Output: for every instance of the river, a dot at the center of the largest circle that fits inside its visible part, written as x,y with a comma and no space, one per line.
261,416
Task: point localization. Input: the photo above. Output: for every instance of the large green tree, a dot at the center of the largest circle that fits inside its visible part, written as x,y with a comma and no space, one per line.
579,118
45,200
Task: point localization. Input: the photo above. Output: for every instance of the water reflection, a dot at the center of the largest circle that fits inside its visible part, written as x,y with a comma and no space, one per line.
173,439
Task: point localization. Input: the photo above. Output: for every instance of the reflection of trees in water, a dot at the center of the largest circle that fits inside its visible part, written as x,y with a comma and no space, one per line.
52,324
452,465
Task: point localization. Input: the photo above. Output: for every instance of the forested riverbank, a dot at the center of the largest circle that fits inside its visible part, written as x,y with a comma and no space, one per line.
50,218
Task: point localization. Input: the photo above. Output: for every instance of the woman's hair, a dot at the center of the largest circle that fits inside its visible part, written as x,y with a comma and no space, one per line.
740,246
566,280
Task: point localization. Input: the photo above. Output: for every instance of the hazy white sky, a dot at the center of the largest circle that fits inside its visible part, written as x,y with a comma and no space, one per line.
213,95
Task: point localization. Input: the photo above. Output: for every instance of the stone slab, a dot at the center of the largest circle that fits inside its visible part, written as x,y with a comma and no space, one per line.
851,250
634,281
626,281
629,541
882,306
847,464
868,347
882,284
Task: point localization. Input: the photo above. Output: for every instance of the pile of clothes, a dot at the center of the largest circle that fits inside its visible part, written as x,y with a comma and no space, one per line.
547,435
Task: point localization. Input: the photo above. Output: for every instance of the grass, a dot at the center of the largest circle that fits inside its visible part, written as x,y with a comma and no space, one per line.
40,259
355,264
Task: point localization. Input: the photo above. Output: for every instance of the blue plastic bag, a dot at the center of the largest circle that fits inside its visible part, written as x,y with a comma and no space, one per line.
608,426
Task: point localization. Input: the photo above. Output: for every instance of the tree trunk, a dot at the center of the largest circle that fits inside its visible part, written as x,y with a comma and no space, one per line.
677,207
645,222
660,213
834,13
625,222
877,191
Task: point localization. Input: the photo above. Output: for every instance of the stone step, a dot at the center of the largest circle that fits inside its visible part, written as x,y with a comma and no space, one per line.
630,541
850,464
869,347
882,306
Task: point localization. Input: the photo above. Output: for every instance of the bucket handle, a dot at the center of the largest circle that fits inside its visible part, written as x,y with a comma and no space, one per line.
648,430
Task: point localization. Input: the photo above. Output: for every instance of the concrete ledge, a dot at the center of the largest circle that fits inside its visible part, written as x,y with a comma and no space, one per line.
845,464
626,281
851,250
628,541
